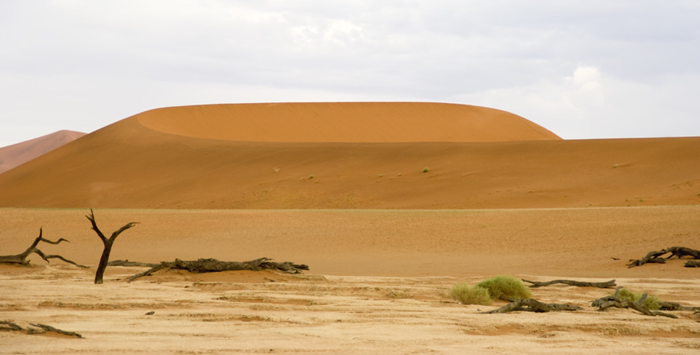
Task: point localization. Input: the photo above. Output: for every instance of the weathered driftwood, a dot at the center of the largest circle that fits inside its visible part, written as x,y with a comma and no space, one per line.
606,284
22,258
692,263
606,302
530,305
48,328
104,259
657,256
213,265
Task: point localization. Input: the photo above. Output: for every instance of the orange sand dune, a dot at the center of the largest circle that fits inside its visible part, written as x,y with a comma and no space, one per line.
129,165
345,122
20,153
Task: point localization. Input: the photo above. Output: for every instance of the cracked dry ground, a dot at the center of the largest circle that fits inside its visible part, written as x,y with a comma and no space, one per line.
266,312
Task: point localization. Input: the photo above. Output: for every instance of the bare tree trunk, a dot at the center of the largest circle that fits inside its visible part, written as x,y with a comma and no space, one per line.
104,259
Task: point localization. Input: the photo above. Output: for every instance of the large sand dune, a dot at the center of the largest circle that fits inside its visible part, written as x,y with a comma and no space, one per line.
378,278
196,157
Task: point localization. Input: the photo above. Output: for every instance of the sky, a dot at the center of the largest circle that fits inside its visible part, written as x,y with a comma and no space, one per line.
582,69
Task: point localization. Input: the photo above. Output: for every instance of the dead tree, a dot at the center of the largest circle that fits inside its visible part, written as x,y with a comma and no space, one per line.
531,305
104,259
213,265
21,259
607,284
606,302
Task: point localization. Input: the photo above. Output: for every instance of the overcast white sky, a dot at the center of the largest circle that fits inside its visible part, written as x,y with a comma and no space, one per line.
583,69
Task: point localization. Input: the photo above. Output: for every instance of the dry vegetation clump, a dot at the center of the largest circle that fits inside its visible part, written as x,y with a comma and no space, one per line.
466,294
506,288
651,302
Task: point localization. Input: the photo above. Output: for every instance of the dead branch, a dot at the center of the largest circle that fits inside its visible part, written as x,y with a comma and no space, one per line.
213,265
656,256
10,326
48,328
692,263
651,257
672,306
104,259
607,284
682,251
22,258
606,302
531,305
129,263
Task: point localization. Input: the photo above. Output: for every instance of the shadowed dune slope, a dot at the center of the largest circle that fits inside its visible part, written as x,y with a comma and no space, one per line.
345,122
129,165
20,153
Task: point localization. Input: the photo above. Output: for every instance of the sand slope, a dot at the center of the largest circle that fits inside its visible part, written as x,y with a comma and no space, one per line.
128,164
20,153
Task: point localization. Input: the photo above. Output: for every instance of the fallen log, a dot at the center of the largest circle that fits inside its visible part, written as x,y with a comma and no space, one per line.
682,251
130,263
21,259
606,284
531,305
606,302
213,265
48,328
672,306
9,326
692,263
651,257
657,256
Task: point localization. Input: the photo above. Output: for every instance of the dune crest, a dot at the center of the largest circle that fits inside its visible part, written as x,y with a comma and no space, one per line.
348,122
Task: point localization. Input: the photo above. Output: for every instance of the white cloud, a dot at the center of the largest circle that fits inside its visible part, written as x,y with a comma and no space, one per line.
82,64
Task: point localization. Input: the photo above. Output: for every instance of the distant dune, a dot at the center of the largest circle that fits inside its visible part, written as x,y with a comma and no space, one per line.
20,153
350,155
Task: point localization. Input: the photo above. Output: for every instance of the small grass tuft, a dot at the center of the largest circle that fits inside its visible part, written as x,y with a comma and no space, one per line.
652,302
506,288
465,294
311,177
425,170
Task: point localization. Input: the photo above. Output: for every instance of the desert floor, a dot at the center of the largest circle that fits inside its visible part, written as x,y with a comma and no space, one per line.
377,283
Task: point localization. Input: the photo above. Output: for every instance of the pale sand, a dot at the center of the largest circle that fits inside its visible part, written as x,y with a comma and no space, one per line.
376,285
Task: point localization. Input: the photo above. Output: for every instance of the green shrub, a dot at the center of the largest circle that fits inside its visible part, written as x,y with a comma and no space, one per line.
425,170
470,295
507,288
652,302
